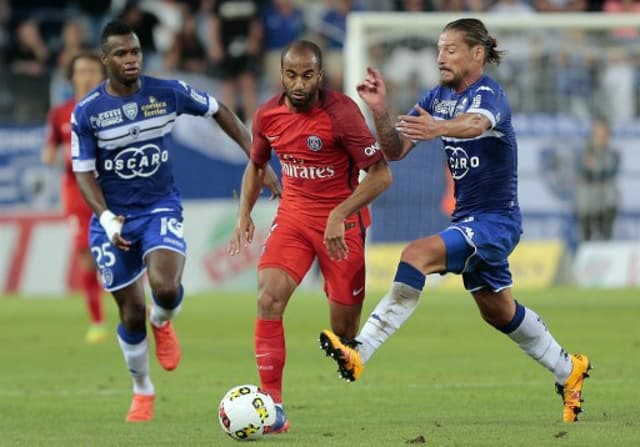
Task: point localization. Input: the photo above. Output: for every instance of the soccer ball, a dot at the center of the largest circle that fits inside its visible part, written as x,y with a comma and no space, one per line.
245,411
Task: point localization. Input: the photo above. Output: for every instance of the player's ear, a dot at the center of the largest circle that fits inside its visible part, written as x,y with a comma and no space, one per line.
321,75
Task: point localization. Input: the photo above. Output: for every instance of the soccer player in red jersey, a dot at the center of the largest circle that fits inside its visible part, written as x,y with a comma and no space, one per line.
85,72
322,142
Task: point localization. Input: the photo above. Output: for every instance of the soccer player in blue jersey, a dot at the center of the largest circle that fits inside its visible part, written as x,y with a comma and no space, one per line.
121,154
470,113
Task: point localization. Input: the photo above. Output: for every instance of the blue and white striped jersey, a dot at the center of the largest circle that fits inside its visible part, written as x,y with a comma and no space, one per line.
484,168
127,140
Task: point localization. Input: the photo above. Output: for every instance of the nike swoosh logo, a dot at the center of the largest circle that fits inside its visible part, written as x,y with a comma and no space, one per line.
357,291
272,138
262,355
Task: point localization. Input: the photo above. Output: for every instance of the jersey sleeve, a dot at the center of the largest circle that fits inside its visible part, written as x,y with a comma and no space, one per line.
488,101
83,143
351,131
194,102
53,136
260,147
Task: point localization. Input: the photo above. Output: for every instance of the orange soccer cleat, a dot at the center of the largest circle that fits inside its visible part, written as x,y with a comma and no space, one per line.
571,390
141,409
167,346
350,366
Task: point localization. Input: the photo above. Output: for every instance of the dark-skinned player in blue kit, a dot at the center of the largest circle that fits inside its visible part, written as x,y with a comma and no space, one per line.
122,158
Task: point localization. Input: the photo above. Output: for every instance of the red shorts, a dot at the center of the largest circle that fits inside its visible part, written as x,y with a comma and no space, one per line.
292,247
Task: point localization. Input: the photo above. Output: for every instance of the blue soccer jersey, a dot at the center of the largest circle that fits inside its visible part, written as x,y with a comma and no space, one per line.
484,168
127,140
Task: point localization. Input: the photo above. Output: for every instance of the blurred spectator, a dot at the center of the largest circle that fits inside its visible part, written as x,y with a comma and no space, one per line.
411,66
560,5
283,23
235,49
94,13
618,85
460,5
5,15
27,53
74,40
511,7
619,7
28,74
143,24
596,191
333,31
187,53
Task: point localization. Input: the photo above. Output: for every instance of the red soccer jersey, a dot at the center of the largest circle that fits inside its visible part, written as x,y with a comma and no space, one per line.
321,152
59,136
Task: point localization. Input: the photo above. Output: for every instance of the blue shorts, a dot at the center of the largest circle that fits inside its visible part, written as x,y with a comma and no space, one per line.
478,247
147,231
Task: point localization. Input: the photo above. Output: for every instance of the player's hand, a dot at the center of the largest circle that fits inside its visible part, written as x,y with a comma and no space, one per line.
112,226
420,127
272,183
242,234
120,242
334,238
373,91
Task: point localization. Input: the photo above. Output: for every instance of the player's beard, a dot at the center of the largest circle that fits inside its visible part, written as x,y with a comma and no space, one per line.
301,102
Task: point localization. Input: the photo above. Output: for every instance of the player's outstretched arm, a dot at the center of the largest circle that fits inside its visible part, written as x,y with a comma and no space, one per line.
233,127
373,92
249,193
377,180
94,197
424,127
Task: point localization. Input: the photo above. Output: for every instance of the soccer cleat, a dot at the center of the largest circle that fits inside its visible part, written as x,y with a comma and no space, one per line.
571,391
350,366
167,346
281,425
141,408
95,334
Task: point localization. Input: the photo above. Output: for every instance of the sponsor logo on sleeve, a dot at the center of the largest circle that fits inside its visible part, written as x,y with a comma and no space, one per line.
371,150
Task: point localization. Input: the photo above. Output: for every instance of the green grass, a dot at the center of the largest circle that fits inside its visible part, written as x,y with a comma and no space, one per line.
445,375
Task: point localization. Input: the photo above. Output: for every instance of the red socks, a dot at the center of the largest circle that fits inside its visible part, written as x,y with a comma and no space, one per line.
92,291
270,356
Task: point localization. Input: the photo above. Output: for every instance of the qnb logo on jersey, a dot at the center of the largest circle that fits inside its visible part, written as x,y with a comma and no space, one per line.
308,172
460,162
371,150
137,161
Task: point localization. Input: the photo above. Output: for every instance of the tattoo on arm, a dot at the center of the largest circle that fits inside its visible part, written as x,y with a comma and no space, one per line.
388,137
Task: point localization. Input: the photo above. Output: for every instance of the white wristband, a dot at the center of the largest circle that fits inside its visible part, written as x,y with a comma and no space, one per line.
110,224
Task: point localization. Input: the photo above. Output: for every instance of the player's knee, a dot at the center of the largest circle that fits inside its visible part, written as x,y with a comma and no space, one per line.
165,291
133,317
270,305
418,257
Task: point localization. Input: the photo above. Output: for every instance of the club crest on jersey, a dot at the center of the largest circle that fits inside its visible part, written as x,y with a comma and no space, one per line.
130,110
106,275
314,143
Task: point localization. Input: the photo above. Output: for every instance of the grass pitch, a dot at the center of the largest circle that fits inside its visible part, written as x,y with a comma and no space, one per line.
445,379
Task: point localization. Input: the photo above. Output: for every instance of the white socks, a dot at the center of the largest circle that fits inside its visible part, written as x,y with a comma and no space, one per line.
390,313
137,360
534,338
159,315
